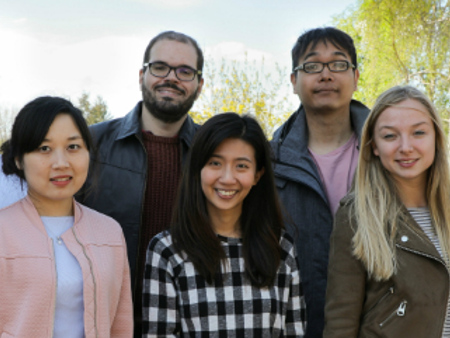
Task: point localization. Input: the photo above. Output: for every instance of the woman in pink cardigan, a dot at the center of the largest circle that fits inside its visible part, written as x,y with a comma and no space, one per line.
63,267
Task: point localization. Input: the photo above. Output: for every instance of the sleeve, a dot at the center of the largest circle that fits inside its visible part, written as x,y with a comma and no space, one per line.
122,325
346,282
296,307
160,313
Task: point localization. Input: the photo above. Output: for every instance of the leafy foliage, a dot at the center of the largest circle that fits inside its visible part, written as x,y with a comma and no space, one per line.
402,42
244,88
93,113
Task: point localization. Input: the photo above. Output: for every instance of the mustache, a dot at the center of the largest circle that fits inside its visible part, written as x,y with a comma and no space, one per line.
172,86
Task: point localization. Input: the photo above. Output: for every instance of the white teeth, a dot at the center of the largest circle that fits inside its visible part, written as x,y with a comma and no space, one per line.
61,179
227,192
409,161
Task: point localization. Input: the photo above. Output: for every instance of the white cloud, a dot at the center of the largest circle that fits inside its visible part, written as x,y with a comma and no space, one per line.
171,4
20,21
232,50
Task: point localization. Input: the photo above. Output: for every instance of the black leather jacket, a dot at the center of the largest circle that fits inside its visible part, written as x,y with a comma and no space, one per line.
116,185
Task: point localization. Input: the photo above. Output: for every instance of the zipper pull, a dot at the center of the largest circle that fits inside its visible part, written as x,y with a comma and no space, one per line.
401,309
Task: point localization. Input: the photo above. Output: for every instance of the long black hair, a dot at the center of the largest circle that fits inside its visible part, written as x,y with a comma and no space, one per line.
261,219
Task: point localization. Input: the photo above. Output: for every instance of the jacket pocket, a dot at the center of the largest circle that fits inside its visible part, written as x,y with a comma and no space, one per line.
398,312
384,297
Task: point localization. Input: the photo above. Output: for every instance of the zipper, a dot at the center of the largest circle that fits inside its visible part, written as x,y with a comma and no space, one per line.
388,293
400,312
437,260
93,279
56,288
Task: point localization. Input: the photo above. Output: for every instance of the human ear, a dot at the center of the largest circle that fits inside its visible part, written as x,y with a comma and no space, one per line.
375,149
17,162
258,175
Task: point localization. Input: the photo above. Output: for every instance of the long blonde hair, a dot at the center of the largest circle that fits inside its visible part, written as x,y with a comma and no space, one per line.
377,206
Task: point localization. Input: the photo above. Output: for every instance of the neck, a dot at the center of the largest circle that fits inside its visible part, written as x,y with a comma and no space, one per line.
158,127
327,132
226,224
413,195
53,208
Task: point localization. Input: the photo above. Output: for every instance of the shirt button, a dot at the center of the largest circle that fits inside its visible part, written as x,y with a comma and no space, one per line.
404,239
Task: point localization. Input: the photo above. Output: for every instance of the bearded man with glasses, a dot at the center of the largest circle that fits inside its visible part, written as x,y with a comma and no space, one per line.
316,153
139,157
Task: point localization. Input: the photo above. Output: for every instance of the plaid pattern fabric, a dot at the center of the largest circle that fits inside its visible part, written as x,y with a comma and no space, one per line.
177,301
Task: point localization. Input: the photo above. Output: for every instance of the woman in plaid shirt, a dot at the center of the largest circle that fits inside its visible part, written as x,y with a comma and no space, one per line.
226,267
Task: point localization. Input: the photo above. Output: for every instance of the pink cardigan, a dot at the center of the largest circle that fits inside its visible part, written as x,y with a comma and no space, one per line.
28,273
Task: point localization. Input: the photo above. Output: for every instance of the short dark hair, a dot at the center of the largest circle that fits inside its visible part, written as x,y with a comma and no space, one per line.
333,35
179,37
261,219
32,124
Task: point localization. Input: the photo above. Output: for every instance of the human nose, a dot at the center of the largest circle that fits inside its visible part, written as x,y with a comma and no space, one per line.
405,145
172,76
59,159
227,175
326,74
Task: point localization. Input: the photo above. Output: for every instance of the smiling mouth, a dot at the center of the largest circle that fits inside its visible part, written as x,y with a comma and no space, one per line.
61,179
227,193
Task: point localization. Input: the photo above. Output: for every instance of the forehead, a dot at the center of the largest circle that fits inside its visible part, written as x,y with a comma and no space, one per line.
324,49
236,147
405,113
174,53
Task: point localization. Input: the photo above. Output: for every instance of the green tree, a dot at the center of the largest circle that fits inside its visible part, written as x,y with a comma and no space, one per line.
244,88
402,42
96,112
6,120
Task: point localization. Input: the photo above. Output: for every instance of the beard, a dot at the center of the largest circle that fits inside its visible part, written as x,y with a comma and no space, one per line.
166,109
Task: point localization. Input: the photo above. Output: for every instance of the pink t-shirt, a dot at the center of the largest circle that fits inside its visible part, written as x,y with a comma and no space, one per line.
337,169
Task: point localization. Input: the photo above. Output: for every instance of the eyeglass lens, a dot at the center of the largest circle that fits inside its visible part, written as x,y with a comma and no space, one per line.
162,70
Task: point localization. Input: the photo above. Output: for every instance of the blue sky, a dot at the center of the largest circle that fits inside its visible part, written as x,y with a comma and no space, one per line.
65,47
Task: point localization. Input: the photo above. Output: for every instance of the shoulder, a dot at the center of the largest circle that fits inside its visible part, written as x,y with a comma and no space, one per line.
287,243
97,223
11,211
162,244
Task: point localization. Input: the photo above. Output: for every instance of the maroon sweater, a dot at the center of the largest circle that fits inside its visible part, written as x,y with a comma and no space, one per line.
163,175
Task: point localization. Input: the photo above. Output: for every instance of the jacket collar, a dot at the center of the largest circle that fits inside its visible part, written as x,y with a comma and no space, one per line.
291,139
131,125
410,237
32,214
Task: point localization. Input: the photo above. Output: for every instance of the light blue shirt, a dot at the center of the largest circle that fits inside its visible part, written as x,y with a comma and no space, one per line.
69,310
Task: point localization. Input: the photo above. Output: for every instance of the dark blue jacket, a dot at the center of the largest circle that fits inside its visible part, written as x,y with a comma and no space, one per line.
309,218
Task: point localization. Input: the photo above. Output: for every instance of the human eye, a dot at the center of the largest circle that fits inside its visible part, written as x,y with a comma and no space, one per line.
339,65
43,149
312,67
159,67
419,132
388,137
213,163
185,72
74,146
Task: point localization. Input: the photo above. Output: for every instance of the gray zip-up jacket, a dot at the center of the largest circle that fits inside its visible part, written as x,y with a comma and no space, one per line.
309,218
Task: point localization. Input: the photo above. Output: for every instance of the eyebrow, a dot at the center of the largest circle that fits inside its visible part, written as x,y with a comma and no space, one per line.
71,138
163,62
236,159
337,53
414,125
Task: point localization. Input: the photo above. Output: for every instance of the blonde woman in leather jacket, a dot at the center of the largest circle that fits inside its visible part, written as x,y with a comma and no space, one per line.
388,273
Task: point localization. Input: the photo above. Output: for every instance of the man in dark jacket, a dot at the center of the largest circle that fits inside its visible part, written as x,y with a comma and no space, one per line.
138,161
316,152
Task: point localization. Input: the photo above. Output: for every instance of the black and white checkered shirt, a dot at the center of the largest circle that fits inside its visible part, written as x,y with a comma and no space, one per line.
178,302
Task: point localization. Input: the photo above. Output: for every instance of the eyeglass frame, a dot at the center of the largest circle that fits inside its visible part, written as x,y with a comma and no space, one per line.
302,66
149,64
